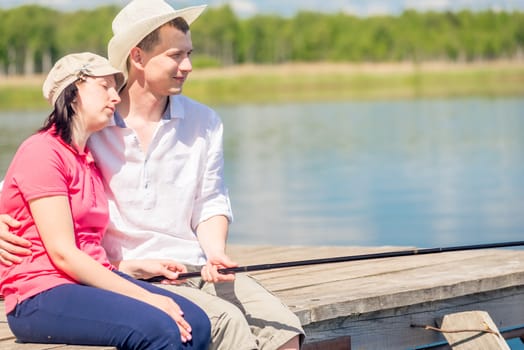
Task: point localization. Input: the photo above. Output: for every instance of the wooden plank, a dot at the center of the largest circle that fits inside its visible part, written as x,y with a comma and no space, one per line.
341,343
375,301
8,342
16,346
296,278
378,292
33,346
391,329
471,330
280,279
514,332
5,332
400,287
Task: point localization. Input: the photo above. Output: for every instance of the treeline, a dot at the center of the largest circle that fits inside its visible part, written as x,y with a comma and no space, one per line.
32,37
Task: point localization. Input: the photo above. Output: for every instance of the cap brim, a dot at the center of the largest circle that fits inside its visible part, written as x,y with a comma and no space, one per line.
119,76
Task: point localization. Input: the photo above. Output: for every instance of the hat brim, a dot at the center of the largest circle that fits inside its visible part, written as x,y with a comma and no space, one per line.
121,44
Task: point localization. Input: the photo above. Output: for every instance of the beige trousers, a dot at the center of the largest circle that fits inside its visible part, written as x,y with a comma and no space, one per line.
243,314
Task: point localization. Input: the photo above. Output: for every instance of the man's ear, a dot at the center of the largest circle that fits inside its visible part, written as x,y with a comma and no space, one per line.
135,56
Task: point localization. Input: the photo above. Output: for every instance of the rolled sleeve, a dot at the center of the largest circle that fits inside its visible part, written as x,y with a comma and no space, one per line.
212,199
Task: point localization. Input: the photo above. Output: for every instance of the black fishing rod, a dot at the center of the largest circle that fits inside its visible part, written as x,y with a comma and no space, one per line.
393,254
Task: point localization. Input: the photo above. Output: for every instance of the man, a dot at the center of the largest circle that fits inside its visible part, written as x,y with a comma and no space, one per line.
162,162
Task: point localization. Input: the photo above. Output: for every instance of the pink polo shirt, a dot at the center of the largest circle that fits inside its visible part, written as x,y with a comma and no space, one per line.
45,166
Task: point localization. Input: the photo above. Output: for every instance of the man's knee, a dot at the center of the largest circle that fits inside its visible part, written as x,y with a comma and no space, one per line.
230,330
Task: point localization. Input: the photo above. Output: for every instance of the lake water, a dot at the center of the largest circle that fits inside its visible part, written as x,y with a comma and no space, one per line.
425,173
420,173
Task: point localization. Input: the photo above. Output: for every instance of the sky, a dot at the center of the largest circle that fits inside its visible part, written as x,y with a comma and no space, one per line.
247,8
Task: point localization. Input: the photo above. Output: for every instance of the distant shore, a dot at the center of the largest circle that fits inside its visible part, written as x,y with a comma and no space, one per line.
354,68
319,81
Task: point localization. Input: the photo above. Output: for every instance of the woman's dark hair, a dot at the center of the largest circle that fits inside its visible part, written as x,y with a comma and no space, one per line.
62,115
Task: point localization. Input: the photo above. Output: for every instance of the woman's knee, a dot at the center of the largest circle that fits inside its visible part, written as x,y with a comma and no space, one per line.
200,325
163,333
154,331
197,319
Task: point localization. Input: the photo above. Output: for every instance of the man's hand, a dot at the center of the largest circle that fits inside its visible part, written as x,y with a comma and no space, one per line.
12,247
149,268
210,272
212,235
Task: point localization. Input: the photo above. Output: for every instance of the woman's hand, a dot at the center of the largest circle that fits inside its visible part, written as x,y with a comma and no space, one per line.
12,247
169,306
148,268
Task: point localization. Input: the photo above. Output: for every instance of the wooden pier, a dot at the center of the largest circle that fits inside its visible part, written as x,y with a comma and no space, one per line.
379,304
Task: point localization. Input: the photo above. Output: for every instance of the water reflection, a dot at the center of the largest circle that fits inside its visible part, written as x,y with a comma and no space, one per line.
421,173
16,126
369,173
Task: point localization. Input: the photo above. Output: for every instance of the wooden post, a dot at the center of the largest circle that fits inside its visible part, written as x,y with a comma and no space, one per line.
472,330
341,343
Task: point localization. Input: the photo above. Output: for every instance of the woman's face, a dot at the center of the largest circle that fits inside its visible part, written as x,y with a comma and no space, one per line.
96,101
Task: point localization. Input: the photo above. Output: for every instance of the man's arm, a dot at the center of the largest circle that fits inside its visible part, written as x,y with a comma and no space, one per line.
152,268
212,236
12,247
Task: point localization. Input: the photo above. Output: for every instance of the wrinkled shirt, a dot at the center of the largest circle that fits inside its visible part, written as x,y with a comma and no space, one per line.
158,198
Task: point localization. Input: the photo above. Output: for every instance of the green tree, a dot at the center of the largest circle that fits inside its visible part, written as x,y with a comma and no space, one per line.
29,32
265,39
312,36
3,43
31,37
85,30
215,35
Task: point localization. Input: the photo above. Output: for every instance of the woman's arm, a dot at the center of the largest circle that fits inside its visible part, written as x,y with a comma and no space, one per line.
52,216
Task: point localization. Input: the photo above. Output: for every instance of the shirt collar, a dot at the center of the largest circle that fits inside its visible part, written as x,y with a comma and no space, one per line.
174,110
175,107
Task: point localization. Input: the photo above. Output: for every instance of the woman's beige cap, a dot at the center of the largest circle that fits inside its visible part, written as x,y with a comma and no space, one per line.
75,66
138,19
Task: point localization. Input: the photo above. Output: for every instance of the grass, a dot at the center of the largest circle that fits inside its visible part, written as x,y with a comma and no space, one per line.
320,82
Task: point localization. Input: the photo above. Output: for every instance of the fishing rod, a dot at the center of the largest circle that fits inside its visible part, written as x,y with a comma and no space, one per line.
392,254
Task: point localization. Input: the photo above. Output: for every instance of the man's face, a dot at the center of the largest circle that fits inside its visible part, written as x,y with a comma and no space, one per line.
168,64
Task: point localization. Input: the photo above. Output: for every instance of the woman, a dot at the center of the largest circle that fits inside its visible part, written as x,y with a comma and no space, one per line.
67,291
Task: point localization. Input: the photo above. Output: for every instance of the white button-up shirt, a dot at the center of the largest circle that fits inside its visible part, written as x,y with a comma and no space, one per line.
158,198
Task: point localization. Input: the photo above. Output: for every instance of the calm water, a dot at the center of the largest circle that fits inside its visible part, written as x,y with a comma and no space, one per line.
418,173
422,173
412,173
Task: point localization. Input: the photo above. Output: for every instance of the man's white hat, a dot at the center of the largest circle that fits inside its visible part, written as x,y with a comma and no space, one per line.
138,19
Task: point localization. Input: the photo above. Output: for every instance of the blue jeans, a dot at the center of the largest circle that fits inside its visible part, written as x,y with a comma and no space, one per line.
83,315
